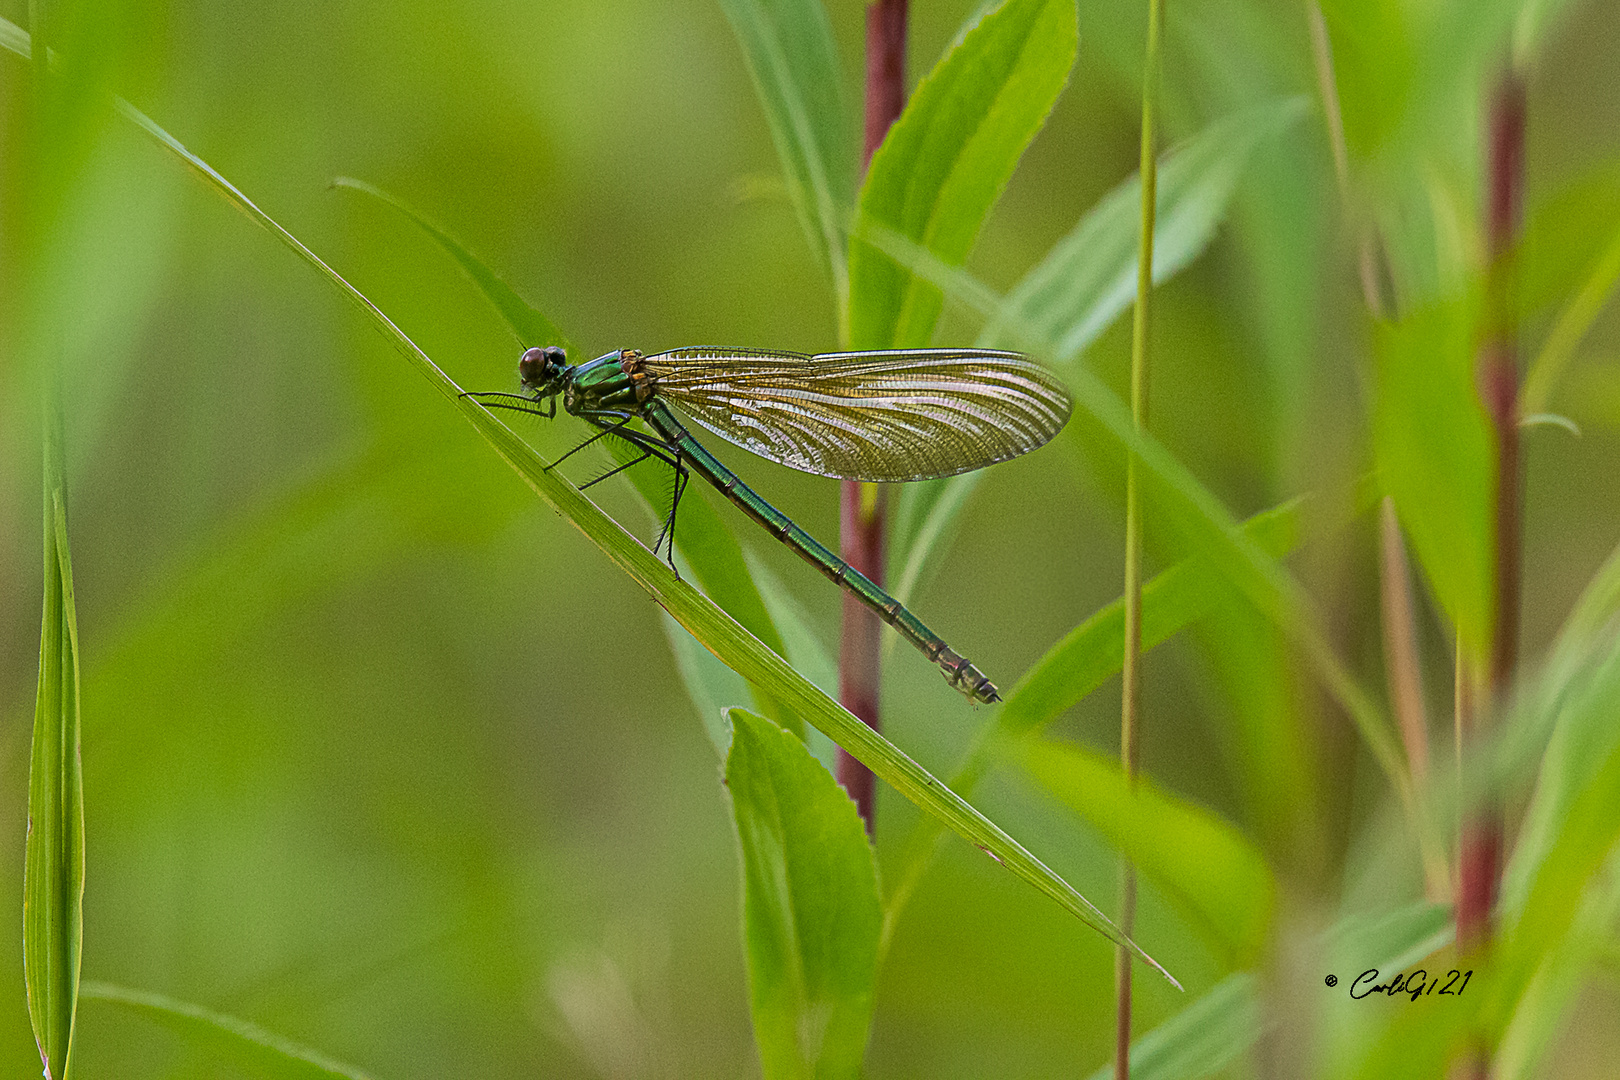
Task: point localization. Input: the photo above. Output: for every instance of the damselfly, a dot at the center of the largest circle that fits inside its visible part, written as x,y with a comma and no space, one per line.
904,414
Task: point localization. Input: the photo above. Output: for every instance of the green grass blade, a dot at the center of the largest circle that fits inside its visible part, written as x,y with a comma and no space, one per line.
530,326
949,156
1207,868
719,632
788,46
811,915
227,1037
1089,277
53,871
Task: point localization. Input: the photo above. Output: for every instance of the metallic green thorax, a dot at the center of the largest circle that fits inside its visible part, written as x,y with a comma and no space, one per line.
617,383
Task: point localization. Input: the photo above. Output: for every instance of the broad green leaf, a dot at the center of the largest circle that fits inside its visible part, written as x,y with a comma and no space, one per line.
226,1037
53,870
1208,869
1088,279
948,157
530,326
1435,452
811,915
708,623
788,45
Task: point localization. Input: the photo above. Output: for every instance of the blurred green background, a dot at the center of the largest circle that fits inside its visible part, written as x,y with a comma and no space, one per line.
387,758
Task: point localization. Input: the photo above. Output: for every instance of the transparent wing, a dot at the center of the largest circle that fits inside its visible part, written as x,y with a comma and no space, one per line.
909,414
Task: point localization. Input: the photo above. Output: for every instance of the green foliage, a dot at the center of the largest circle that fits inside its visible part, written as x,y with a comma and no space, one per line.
790,52
1201,863
53,881
949,156
383,757
1089,277
1434,447
811,916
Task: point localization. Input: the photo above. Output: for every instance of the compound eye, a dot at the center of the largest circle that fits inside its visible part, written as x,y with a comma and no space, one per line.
556,355
532,368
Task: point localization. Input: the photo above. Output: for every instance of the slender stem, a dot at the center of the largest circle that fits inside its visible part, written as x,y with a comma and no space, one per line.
1479,848
861,506
1376,292
1130,705
1403,673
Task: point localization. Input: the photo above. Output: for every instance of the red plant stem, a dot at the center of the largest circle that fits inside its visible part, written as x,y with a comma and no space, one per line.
861,518
1479,851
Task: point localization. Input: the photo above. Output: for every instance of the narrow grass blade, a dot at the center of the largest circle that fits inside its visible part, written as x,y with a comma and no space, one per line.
946,160
1089,277
530,326
719,633
811,916
53,870
788,45
226,1037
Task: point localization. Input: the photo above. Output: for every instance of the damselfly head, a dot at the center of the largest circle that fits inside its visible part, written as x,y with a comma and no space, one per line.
541,369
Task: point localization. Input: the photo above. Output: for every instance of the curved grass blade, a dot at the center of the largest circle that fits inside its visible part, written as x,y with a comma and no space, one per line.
530,326
788,46
228,1037
1089,277
949,156
53,871
811,915
718,632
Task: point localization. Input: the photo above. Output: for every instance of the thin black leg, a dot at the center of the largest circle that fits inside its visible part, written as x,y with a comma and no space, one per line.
616,470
